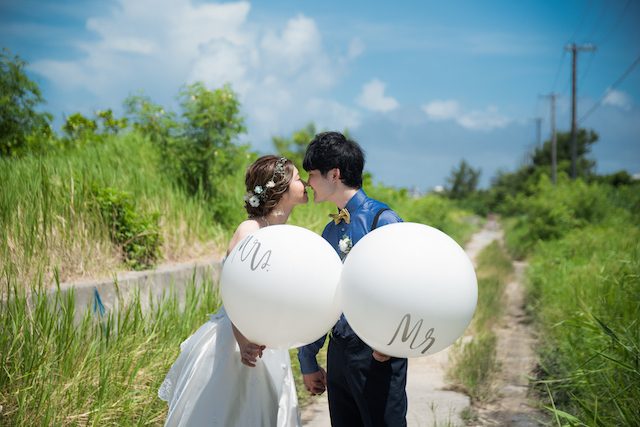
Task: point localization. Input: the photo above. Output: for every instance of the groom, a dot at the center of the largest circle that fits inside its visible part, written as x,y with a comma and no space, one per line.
365,387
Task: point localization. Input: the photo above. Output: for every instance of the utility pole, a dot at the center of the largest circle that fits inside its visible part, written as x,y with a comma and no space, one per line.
554,146
538,127
574,49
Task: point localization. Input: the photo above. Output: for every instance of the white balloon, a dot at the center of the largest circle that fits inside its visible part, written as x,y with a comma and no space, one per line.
279,286
408,290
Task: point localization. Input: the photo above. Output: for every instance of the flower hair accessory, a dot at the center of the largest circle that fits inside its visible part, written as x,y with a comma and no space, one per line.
259,193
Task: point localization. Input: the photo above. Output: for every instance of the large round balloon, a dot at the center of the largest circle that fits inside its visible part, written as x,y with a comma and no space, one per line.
279,286
408,290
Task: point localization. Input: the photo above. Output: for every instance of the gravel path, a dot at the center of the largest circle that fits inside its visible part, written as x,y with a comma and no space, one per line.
515,353
430,404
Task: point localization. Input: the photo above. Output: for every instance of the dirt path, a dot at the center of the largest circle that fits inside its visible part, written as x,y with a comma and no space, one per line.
430,403
515,352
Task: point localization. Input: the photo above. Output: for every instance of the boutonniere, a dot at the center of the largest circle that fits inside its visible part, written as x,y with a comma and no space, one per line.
345,244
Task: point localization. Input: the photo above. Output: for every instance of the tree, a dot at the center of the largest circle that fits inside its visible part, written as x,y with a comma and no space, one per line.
294,148
151,119
19,98
212,122
109,124
541,157
525,179
78,127
463,181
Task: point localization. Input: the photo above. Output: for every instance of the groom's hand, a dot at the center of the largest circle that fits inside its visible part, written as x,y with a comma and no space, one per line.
316,383
380,357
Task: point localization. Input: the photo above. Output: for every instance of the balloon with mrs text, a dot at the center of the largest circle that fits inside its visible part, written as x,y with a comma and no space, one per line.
279,286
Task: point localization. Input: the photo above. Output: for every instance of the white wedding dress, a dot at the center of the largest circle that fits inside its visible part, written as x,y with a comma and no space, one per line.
209,386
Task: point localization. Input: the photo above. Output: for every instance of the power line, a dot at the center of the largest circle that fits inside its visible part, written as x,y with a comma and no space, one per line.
584,15
617,23
564,54
599,21
587,68
613,86
571,39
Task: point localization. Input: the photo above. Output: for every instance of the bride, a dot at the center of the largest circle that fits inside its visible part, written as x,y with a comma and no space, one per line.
220,377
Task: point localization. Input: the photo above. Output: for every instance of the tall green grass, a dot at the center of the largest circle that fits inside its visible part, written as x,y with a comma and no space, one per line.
582,240
99,371
47,218
474,361
584,291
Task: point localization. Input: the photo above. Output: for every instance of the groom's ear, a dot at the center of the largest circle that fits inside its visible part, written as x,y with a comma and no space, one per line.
335,174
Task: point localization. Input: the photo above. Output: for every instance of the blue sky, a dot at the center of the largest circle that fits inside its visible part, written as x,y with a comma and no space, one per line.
420,84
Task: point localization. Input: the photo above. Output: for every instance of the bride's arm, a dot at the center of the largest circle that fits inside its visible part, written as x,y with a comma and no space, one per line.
249,352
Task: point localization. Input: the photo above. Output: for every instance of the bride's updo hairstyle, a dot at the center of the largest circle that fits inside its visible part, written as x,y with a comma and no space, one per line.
267,179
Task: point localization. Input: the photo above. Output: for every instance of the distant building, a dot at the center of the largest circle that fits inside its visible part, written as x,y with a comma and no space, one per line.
415,192
438,189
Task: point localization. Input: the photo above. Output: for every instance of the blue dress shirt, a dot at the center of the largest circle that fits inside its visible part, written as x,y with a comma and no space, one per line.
362,210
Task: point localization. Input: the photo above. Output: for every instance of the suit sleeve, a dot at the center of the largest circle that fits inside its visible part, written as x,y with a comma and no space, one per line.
307,356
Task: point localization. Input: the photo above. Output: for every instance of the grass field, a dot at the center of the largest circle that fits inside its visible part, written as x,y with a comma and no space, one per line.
106,371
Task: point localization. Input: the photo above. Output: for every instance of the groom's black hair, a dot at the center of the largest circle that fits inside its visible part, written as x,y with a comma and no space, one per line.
330,150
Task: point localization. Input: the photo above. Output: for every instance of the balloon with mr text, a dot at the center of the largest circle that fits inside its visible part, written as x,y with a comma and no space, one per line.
408,290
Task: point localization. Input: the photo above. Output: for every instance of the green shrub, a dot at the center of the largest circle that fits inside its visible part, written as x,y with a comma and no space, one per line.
198,149
138,234
551,211
441,213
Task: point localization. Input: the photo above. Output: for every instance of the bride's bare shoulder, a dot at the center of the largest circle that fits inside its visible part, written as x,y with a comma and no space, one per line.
247,226
244,229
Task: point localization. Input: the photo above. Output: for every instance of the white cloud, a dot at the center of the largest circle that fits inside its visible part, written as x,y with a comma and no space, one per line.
373,98
442,110
330,114
356,48
487,119
618,99
159,45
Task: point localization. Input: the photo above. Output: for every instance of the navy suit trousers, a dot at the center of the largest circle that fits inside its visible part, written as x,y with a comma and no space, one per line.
363,391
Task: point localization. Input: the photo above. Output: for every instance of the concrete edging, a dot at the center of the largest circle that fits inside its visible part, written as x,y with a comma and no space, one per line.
150,284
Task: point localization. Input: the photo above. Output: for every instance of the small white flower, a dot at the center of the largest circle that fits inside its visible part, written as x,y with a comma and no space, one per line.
246,197
270,184
345,244
257,190
254,201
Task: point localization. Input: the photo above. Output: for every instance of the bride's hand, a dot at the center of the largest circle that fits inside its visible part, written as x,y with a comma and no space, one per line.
249,352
